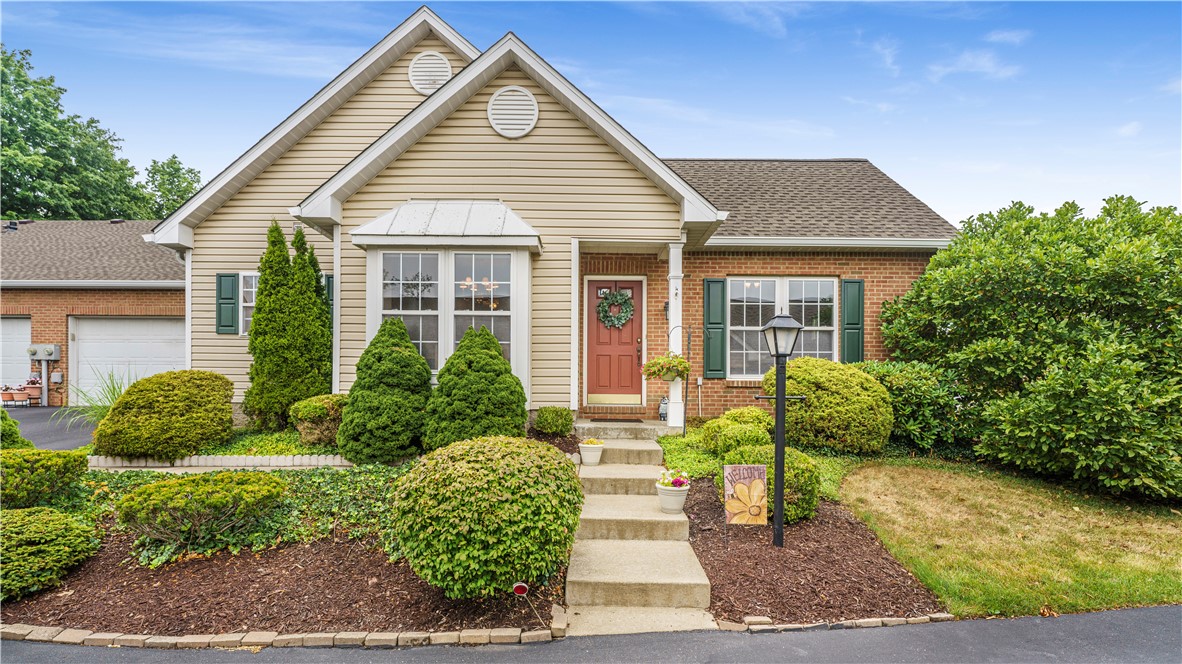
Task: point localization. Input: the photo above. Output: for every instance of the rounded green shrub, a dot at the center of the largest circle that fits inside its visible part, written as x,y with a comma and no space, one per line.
555,421
478,395
923,401
30,477
844,408
383,419
751,415
10,433
318,418
39,545
714,440
802,480
732,436
477,516
168,416
201,513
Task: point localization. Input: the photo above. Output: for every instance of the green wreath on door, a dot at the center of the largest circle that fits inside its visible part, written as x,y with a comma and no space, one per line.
615,299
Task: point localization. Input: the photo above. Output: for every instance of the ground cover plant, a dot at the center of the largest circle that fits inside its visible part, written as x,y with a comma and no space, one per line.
31,477
991,543
477,516
167,416
39,545
1066,334
255,443
10,433
383,419
845,409
318,418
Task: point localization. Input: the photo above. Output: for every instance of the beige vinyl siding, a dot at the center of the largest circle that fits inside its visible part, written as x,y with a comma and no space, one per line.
233,238
561,178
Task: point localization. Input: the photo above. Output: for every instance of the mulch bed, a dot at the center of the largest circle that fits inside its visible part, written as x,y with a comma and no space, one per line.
832,567
327,585
568,444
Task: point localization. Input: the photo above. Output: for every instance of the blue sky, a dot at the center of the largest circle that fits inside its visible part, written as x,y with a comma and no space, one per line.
968,105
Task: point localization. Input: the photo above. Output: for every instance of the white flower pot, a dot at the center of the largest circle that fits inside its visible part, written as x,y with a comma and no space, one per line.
590,454
672,498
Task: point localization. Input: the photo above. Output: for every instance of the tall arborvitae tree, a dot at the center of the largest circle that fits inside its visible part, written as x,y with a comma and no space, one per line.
384,417
289,339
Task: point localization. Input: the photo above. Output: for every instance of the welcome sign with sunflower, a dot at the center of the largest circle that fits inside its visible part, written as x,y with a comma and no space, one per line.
745,494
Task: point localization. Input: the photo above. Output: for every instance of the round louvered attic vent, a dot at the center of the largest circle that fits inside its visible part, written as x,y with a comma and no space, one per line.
429,71
512,111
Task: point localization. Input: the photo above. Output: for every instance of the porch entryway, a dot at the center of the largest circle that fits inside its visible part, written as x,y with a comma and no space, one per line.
615,341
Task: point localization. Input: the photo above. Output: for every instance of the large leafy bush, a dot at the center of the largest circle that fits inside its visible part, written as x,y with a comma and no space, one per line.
290,332
10,433
844,408
30,477
924,402
478,395
318,418
39,545
201,513
168,416
555,421
802,480
1025,307
477,516
383,420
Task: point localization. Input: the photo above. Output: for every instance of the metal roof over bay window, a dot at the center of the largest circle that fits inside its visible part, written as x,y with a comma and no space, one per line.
487,223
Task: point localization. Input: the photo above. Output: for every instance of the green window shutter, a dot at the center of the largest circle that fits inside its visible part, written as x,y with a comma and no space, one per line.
330,291
714,346
853,329
227,303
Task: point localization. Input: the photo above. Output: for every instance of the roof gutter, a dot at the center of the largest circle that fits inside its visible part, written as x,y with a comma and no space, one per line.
92,284
827,242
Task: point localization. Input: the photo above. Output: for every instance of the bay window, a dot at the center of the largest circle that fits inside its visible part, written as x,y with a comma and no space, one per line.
752,303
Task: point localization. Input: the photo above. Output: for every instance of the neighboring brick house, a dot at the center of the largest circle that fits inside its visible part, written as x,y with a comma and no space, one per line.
452,187
113,302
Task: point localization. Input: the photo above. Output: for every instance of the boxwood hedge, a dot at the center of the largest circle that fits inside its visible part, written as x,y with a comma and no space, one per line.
844,409
168,416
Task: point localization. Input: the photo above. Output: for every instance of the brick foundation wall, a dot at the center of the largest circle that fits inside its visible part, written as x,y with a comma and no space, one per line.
886,275
50,309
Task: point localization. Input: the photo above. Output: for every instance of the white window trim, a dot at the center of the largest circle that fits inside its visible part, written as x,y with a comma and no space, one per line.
576,332
782,307
437,312
242,331
520,292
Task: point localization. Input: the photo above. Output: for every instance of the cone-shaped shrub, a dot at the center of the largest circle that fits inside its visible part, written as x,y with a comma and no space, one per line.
478,395
290,333
383,420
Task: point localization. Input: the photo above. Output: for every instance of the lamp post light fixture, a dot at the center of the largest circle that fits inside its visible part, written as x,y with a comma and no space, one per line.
780,334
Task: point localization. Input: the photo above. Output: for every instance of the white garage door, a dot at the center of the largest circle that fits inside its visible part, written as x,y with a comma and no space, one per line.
128,348
15,337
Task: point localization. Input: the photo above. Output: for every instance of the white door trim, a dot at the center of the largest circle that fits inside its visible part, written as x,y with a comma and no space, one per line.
582,329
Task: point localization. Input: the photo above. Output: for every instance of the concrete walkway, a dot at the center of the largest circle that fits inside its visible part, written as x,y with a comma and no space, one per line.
632,568
1130,635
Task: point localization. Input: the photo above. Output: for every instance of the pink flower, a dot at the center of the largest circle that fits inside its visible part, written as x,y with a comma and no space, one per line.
679,482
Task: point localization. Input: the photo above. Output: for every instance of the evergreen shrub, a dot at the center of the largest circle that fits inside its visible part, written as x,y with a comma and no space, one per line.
478,395
201,513
477,516
39,546
382,421
555,421
31,477
168,416
924,400
10,433
844,409
802,480
318,418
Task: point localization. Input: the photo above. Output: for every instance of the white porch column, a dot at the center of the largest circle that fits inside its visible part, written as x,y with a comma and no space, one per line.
675,331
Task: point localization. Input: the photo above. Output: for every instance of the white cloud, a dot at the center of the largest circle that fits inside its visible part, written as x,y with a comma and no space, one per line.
888,50
1129,130
974,62
1015,37
880,106
1172,87
765,17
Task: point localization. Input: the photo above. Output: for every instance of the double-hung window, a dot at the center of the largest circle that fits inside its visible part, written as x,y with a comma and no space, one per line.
248,288
752,303
410,291
483,286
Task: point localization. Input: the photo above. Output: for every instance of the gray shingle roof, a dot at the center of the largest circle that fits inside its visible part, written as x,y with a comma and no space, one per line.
832,198
86,250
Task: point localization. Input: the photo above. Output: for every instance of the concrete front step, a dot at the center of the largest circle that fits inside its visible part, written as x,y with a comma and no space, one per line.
627,451
597,620
620,479
636,573
613,517
623,430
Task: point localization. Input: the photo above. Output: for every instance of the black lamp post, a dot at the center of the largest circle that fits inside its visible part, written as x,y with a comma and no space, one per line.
780,334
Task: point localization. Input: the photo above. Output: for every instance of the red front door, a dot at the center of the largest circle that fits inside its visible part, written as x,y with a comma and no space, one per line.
614,353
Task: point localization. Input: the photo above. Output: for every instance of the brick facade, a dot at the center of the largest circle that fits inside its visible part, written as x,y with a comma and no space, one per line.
50,309
886,275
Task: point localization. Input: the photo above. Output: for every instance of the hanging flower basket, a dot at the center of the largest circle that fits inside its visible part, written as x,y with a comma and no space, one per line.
620,318
666,367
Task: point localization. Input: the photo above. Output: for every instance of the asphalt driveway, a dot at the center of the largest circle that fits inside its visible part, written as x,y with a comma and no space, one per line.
47,434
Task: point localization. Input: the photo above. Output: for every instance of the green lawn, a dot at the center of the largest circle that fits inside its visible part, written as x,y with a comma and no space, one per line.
990,543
